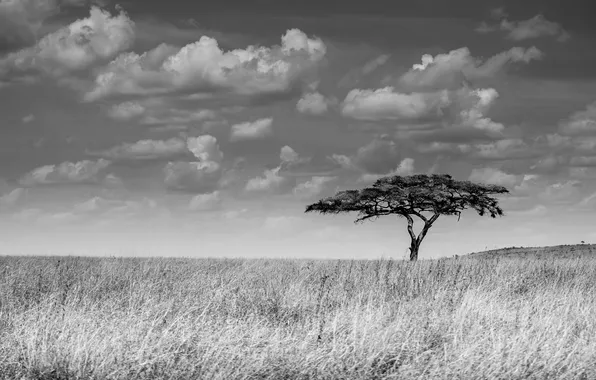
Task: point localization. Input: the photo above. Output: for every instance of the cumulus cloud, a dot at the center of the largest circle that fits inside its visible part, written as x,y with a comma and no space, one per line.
126,111
200,176
535,27
75,47
20,20
202,67
254,130
312,187
562,192
206,202
313,103
85,171
12,197
451,69
194,177
388,104
494,176
205,148
272,180
178,117
378,157
405,168
581,123
145,150
28,119
474,116
355,75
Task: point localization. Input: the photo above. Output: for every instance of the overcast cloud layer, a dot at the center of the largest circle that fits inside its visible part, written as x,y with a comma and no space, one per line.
170,129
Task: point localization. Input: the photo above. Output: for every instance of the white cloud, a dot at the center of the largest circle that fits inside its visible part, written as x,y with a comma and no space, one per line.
405,168
194,177
387,104
313,103
494,176
269,181
28,119
449,70
205,148
77,46
126,111
562,192
535,27
355,75
474,116
12,197
198,177
85,171
251,130
581,123
205,202
177,117
287,154
312,187
146,150
203,67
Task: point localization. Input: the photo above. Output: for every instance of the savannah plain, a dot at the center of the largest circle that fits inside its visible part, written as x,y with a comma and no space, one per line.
475,317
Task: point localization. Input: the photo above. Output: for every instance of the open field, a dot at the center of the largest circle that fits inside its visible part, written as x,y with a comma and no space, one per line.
111,318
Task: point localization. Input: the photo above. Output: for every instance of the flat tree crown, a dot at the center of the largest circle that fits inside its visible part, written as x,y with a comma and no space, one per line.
414,195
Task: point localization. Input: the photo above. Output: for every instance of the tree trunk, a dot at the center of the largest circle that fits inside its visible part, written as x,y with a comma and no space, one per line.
415,241
414,250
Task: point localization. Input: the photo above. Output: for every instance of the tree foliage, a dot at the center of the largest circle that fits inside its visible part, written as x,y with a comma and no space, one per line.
416,195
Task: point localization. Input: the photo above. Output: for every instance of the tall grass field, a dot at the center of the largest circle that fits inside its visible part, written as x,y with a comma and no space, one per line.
125,318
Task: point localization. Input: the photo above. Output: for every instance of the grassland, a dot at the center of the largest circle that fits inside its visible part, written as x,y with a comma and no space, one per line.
122,318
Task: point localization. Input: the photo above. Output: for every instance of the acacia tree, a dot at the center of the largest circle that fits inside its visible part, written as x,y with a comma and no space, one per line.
423,196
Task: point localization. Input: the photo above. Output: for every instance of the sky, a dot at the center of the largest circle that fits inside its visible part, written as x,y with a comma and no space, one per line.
192,129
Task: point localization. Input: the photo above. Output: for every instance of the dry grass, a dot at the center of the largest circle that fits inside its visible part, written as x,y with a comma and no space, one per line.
116,318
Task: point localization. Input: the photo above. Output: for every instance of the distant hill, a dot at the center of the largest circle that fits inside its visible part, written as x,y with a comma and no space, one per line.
560,251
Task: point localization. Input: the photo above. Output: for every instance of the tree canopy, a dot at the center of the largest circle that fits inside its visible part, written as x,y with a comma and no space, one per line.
416,195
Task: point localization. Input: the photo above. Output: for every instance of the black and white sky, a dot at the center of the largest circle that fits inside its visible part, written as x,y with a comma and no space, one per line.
204,128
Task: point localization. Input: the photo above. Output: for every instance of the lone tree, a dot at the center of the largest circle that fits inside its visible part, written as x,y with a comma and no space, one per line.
424,196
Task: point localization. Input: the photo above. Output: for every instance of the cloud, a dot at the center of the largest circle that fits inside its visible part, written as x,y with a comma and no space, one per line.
78,46
355,75
178,117
20,20
405,168
474,116
451,69
312,187
272,180
126,111
581,123
194,177
202,176
535,27
313,103
494,176
202,67
205,148
387,104
145,150
287,154
378,157
85,171
11,198
28,119
206,202
257,129
562,192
